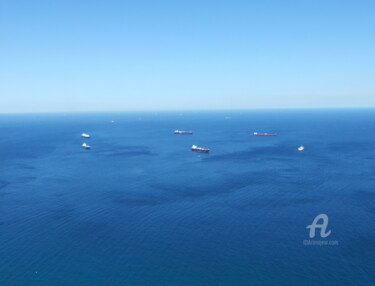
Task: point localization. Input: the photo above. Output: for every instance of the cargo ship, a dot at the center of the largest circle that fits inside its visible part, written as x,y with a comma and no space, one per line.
182,132
264,134
199,149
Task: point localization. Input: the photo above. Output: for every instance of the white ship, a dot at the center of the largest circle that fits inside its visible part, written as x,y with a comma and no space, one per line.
301,148
85,135
86,146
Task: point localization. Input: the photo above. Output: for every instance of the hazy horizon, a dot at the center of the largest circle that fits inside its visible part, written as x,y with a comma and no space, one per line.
67,56
192,110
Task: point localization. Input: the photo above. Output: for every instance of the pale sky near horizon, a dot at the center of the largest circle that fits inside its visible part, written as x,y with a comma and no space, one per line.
72,55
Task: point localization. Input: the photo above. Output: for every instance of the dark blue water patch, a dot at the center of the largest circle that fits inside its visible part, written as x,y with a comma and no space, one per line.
230,183
65,212
275,202
140,201
17,180
59,194
134,199
251,154
123,151
22,180
361,198
283,153
26,167
3,184
127,153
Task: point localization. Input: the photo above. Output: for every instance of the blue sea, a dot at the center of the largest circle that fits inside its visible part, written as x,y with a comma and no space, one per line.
141,209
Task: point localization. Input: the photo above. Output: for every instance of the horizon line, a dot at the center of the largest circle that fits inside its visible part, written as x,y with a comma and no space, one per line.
190,110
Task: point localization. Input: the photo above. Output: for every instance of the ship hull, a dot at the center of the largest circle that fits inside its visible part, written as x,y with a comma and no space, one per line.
201,151
183,132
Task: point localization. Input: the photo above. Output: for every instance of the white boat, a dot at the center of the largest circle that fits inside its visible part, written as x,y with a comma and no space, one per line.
301,148
85,135
86,146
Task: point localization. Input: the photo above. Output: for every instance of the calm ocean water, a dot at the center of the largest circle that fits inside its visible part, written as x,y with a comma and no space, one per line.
140,208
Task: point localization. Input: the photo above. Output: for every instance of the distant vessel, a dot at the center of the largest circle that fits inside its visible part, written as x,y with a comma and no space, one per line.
301,148
264,134
85,135
182,132
199,149
86,146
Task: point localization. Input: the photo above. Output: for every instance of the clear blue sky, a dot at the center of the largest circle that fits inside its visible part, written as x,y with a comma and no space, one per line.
72,55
